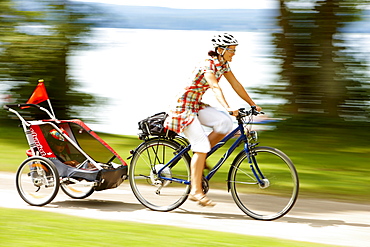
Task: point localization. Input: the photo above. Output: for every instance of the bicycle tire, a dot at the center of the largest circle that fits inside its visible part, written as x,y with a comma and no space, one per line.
279,193
152,192
37,181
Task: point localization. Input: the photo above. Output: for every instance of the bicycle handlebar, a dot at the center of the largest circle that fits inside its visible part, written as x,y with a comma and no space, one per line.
254,111
242,112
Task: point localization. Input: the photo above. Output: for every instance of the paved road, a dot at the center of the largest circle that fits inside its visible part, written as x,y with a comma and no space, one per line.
341,224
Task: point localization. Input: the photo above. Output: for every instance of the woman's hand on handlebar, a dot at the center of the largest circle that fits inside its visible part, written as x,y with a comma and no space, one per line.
233,112
254,111
258,108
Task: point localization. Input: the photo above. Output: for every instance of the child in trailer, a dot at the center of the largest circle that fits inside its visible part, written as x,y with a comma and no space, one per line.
58,145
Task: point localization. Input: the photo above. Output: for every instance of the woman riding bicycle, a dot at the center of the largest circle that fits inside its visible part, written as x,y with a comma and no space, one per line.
189,114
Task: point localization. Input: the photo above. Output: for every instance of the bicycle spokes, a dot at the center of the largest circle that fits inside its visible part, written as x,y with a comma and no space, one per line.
157,185
266,188
37,181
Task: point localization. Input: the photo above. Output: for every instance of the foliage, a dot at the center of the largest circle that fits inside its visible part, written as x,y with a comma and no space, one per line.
36,44
320,76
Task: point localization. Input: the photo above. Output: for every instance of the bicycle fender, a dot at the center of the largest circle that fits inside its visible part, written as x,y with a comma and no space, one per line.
133,152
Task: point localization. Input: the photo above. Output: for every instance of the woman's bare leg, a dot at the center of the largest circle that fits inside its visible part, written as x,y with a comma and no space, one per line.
197,165
196,193
215,137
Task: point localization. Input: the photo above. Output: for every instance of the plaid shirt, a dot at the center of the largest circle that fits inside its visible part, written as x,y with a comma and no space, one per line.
189,103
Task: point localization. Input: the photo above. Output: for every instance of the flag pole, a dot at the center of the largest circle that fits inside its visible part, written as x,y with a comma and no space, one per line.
51,108
48,100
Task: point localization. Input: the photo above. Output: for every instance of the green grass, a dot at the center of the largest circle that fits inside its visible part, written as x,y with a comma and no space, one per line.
34,228
332,163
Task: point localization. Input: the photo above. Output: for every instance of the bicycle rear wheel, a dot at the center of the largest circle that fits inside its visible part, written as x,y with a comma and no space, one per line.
37,181
276,195
151,191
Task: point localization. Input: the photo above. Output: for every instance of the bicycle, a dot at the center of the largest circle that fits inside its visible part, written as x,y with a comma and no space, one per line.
263,180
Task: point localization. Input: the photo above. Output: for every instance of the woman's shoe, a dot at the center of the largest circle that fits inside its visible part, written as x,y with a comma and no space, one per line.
202,200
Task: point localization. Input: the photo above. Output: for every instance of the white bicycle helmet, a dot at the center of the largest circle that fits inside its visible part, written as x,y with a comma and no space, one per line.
222,40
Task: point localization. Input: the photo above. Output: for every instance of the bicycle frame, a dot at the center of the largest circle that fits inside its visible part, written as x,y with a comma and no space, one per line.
237,142
264,187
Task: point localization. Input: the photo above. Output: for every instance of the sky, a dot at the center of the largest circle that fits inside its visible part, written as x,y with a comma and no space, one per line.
196,4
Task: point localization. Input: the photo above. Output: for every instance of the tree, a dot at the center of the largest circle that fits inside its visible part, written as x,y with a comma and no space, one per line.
320,78
37,46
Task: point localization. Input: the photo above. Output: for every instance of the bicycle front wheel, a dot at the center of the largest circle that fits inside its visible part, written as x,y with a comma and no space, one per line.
149,187
265,188
37,181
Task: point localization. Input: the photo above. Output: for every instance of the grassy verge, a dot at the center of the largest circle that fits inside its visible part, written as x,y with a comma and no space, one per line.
34,228
332,163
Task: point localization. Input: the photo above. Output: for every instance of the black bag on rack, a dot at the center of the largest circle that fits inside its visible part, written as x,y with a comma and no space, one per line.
153,126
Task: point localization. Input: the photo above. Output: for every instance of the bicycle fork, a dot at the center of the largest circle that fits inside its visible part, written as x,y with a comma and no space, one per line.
263,182
260,179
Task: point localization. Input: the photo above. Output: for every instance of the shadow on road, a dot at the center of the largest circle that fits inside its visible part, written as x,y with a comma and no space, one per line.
99,205
321,223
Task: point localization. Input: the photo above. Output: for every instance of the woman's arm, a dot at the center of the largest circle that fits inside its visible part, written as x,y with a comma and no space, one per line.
213,83
239,89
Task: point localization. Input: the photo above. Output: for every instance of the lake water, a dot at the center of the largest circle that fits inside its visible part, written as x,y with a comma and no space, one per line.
141,71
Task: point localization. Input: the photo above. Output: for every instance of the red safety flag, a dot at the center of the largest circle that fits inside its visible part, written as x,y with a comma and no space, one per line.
39,95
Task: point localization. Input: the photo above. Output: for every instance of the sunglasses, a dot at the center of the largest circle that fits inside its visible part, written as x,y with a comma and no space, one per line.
230,50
